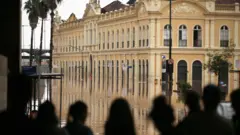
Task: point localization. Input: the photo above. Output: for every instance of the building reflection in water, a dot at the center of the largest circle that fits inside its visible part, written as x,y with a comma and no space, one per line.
99,101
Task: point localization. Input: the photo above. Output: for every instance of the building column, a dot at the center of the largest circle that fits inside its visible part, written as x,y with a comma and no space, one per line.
158,64
236,35
85,35
236,75
130,77
105,75
146,79
136,77
101,76
142,79
206,72
152,35
110,90
120,76
115,76
151,77
137,36
158,36
212,35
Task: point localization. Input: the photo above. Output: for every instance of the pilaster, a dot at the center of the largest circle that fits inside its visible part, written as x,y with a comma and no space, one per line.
101,75
206,33
151,77
152,33
212,35
158,64
158,37
236,35
130,77
115,76
136,77
236,75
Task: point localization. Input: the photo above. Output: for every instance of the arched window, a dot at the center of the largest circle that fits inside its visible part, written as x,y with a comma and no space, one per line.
99,41
197,76
143,35
117,38
147,35
197,36
128,38
112,39
108,40
122,38
182,36
166,36
182,71
224,36
133,37
103,40
140,36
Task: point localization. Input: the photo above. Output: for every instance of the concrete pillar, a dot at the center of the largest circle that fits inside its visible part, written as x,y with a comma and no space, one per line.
151,73
236,75
158,74
212,34
152,33
159,35
136,77
236,33
206,33
3,82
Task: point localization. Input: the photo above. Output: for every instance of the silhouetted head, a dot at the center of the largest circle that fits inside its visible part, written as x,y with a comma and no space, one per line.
19,92
46,114
211,97
162,114
120,120
192,100
78,112
235,100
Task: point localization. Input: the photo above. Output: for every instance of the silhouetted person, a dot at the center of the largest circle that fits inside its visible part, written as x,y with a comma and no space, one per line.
77,116
192,101
120,120
47,121
235,100
207,122
162,115
14,119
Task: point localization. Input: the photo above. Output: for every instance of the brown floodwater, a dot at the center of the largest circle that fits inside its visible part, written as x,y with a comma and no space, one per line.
99,102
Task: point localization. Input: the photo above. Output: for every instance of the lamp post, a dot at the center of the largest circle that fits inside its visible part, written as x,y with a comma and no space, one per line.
170,54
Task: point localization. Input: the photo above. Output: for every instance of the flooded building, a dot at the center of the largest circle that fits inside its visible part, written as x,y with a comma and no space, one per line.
120,49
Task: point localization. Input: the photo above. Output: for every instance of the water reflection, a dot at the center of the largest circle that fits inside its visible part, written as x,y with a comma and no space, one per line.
99,101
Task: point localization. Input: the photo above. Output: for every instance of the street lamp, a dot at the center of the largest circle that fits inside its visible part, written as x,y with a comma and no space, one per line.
170,73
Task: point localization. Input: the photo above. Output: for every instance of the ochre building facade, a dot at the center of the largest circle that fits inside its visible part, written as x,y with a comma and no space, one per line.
121,49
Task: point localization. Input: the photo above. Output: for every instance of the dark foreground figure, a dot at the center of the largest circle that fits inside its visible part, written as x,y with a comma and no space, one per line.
76,119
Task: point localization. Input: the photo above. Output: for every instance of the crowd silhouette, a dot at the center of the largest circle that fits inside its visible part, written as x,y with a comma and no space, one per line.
199,120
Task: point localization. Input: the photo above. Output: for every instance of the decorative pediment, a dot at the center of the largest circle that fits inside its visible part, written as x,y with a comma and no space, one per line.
89,11
185,8
141,11
72,18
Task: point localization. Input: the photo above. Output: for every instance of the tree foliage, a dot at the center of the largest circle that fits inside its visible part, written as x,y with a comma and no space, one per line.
218,57
183,88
